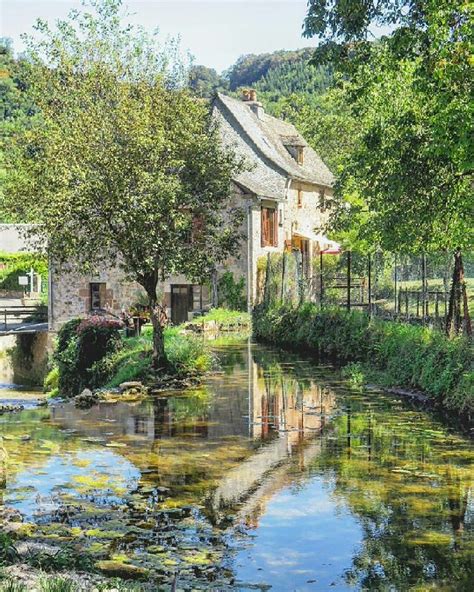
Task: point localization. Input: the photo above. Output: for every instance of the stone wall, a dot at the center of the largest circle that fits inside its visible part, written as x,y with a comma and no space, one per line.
24,358
70,293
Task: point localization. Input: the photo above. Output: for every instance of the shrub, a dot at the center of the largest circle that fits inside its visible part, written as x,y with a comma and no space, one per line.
8,551
231,292
82,343
51,382
226,319
57,584
12,265
187,355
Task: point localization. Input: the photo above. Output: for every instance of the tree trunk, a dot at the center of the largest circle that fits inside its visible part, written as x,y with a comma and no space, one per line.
458,311
158,356
214,289
158,321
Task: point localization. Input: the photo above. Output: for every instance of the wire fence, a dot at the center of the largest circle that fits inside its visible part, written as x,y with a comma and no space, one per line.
410,288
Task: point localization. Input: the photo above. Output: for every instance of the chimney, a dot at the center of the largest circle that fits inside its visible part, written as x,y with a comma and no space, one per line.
250,97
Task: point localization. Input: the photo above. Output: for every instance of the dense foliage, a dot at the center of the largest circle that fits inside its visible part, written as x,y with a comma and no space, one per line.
406,356
408,176
16,108
81,344
272,74
12,265
231,292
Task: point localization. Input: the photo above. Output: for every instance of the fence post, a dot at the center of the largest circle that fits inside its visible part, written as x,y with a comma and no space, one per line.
369,270
395,277
321,287
348,280
423,286
406,302
266,290
299,276
417,304
283,277
399,303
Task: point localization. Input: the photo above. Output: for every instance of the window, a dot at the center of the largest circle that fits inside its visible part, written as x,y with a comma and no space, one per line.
97,295
269,227
300,198
297,152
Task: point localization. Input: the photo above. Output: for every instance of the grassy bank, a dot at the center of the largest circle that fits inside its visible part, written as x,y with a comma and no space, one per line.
222,319
93,353
389,353
187,356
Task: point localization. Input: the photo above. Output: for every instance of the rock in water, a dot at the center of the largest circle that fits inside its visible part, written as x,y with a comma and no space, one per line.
86,399
126,571
132,384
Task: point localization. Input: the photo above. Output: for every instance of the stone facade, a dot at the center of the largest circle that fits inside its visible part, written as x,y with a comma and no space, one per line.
285,176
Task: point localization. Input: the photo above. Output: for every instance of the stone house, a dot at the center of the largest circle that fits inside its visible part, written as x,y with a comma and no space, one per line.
284,193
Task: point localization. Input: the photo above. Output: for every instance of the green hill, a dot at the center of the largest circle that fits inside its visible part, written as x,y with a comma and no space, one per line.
274,75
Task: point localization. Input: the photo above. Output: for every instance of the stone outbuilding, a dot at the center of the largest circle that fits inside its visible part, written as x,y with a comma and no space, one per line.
285,193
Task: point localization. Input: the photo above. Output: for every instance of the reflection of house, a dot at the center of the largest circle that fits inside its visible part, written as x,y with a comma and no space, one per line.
284,196
285,414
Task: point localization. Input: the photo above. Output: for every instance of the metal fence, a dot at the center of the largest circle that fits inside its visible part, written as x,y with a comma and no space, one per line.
411,288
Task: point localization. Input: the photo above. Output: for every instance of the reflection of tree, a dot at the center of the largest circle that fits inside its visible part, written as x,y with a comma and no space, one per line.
410,501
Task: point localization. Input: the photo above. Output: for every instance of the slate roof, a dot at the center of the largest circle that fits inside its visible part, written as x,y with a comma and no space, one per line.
268,136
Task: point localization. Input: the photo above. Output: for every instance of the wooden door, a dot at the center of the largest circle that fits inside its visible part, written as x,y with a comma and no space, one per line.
180,300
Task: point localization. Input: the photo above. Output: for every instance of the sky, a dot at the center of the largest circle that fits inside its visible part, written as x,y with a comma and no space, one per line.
216,32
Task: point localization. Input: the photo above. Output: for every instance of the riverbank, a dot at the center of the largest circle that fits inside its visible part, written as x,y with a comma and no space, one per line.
387,353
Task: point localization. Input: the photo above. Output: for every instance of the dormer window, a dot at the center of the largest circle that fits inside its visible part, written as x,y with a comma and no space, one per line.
295,146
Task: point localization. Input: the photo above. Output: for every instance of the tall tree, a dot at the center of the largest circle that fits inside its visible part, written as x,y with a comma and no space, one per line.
16,108
410,174
125,165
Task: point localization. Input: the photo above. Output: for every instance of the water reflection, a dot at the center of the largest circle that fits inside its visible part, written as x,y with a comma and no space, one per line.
287,478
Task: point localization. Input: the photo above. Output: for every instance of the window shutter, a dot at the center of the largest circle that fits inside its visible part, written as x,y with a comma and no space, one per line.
264,227
275,227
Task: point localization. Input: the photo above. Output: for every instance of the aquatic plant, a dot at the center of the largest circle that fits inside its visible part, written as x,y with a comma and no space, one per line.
57,584
8,551
354,373
10,585
64,559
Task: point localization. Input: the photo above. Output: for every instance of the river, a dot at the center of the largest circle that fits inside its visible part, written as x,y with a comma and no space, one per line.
274,475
